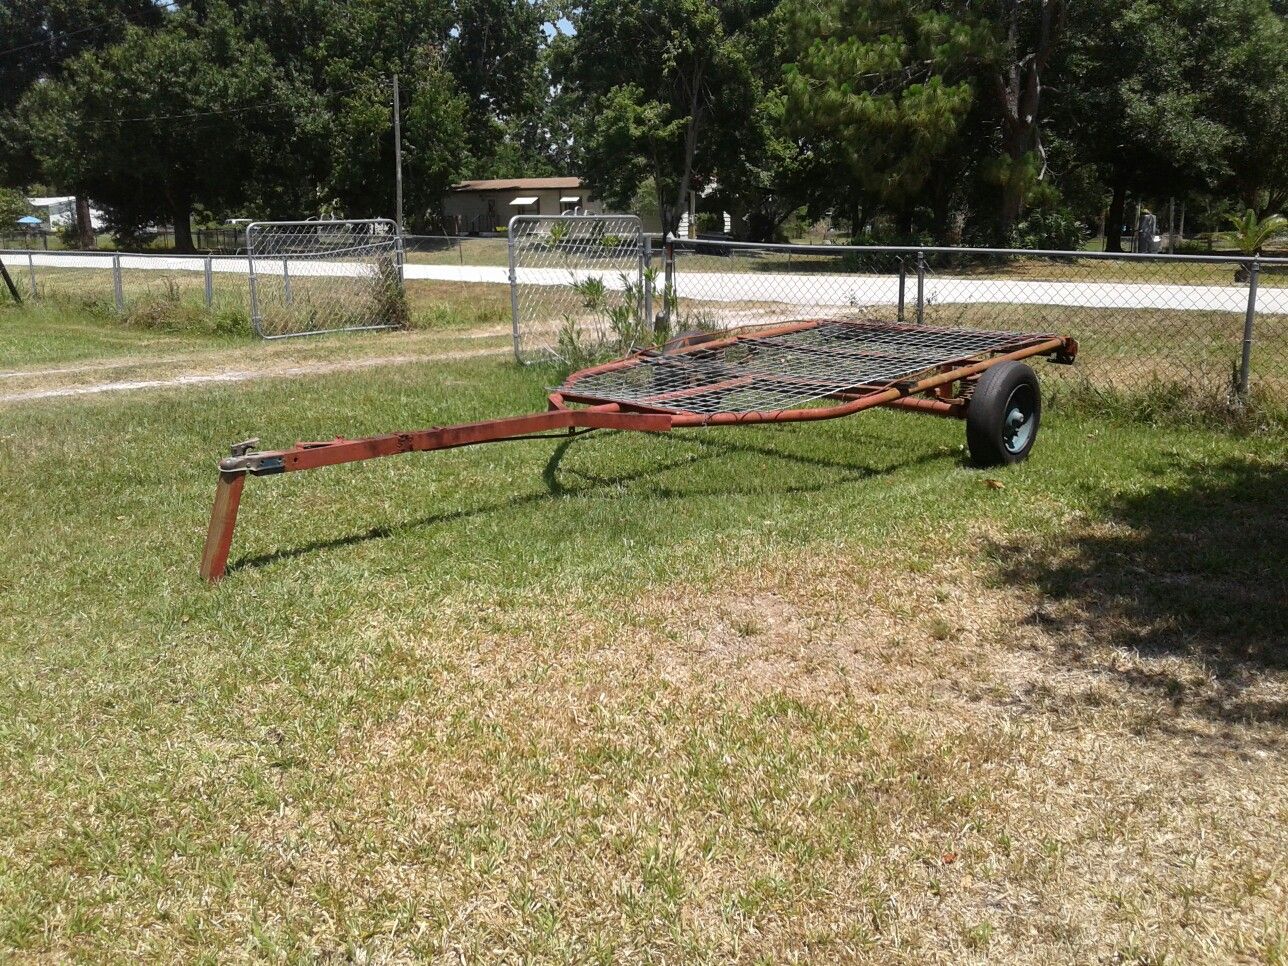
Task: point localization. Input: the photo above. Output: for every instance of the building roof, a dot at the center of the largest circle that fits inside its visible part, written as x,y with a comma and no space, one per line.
517,184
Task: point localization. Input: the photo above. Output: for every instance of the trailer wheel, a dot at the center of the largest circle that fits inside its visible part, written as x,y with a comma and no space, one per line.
1003,415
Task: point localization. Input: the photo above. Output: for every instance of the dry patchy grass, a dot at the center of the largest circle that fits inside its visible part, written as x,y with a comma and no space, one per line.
827,760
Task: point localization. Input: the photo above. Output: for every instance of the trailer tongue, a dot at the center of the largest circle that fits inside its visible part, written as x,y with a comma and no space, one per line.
801,371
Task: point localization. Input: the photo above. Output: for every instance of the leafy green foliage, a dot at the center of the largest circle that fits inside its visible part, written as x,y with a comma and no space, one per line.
1050,230
13,205
1170,96
106,124
887,85
608,327
1250,234
657,81
926,120
39,37
284,110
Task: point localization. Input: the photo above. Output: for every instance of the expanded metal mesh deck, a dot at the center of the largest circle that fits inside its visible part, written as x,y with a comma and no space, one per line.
786,369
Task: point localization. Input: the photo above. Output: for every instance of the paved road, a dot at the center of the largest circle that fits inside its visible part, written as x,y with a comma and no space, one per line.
780,288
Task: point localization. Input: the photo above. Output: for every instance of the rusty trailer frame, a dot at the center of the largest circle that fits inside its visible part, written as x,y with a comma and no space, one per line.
793,372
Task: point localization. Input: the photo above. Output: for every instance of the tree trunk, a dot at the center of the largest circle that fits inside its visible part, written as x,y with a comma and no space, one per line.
1117,209
182,216
1013,189
1018,93
84,223
903,224
668,217
760,228
690,146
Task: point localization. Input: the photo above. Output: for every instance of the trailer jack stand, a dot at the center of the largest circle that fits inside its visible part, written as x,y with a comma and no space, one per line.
223,520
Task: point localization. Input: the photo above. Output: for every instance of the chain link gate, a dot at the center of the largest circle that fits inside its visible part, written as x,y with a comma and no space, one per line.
576,279
310,277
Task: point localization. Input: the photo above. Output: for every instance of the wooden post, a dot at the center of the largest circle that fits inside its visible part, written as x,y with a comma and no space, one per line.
13,289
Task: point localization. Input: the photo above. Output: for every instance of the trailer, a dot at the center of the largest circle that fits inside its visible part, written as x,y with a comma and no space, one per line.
792,372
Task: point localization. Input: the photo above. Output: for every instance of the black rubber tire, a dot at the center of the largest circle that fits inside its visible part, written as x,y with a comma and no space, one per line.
1006,387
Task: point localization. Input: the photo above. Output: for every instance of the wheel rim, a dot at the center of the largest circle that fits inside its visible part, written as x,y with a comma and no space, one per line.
1020,421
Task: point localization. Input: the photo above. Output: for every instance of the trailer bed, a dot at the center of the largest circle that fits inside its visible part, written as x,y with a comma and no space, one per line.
785,368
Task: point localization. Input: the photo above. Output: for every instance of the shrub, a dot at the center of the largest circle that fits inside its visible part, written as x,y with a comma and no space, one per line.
1250,234
1053,230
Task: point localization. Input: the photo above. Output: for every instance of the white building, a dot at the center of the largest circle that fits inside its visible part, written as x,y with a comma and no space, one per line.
60,211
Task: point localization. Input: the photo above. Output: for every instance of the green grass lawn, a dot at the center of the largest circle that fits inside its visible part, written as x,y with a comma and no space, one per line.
43,334
74,322
817,692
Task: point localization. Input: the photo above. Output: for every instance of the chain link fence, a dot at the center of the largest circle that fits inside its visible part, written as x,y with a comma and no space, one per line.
131,284
308,277
454,250
577,280
1211,326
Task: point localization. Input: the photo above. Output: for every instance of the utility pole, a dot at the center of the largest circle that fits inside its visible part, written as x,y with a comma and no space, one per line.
398,207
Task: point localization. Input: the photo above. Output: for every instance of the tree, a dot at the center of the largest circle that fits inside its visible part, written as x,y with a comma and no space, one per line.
13,205
159,123
332,151
1248,93
763,170
922,97
496,55
1159,95
887,85
39,37
267,110
652,80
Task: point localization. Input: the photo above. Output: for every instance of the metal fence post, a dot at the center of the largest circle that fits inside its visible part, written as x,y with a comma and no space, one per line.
210,281
646,280
31,273
400,255
903,285
118,290
512,257
1245,363
921,288
286,281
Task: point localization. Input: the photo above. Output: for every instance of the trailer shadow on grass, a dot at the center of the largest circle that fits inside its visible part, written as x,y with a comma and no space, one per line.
1179,593
552,474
